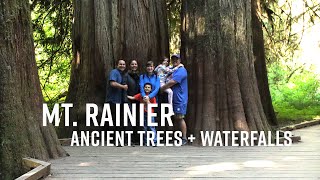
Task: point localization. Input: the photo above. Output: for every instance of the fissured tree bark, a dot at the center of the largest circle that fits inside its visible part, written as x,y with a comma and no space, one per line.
217,49
105,31
260,64
21,131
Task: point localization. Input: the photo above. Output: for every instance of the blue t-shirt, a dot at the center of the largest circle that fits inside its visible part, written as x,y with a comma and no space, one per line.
115,95
180,91
154,80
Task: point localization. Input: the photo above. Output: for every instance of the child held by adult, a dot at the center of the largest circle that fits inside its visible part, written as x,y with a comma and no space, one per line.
164,72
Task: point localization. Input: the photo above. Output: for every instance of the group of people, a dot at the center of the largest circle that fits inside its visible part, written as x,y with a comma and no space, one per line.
132,87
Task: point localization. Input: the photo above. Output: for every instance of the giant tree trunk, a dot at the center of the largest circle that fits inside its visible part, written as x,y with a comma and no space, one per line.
21,130
105,31
217,50
260,64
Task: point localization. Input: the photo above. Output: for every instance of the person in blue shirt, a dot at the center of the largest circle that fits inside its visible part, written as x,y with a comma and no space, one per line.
179,86
117,85
153,79
117,94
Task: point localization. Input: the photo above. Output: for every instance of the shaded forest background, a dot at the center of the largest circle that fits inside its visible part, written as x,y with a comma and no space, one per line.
293,76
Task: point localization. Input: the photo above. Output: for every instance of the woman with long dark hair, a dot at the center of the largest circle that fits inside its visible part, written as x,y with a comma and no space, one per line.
133,89
133,78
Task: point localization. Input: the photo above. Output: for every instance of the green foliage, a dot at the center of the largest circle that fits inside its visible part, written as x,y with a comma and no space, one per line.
297,97
174,22
294,88
51,22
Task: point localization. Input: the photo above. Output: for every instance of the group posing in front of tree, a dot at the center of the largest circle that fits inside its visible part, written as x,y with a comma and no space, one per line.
133,87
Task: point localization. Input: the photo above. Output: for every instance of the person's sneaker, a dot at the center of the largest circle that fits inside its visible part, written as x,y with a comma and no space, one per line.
184,142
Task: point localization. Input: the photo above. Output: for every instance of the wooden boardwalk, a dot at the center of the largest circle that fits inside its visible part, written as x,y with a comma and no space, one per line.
299,161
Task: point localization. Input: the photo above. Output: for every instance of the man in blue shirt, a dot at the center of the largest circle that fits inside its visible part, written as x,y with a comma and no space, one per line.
117,92
117,84
179,86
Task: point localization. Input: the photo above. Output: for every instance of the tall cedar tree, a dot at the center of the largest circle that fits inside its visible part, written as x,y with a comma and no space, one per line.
21,131
217,49
103,32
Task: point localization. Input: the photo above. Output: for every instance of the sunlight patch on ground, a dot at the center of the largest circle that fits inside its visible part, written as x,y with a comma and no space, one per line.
289,158
135,152
207,169
86,164
229,166
259,163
